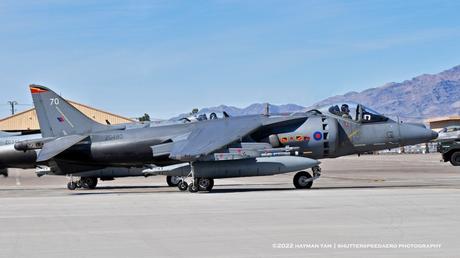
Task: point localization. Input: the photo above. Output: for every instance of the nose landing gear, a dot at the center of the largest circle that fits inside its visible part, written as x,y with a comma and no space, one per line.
304,180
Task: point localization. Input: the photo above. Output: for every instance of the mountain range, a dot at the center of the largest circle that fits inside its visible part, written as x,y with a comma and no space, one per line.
422,97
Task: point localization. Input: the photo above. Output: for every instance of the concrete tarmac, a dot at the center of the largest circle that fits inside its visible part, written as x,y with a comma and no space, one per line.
371,206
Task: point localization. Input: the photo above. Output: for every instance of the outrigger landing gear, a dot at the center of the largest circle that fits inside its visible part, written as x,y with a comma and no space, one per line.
304,180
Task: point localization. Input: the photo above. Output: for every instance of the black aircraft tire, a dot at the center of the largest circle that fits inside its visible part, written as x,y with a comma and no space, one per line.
172,181
211,185
71,186
88,182
91,183
193,188
300,178
183,186
206,184
455,158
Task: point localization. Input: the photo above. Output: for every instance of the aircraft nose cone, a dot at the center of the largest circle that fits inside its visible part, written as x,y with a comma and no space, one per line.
434,135
414,134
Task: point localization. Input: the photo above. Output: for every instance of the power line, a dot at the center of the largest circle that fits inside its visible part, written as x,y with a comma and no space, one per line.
12,104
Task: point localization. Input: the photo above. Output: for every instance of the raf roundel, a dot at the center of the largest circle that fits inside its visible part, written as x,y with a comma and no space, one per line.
318,136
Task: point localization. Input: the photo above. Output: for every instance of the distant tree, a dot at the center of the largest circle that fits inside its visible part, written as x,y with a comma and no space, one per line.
145,118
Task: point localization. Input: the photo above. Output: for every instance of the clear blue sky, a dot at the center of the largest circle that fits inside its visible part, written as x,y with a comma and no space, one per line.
166,57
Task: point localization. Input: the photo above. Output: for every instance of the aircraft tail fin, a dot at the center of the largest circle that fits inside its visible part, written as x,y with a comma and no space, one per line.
58,118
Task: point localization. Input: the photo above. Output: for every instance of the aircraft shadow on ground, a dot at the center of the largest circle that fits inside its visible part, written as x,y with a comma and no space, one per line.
218,190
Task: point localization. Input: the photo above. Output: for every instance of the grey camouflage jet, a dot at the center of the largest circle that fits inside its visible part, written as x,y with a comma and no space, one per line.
75,145
15,152
12,158
204,150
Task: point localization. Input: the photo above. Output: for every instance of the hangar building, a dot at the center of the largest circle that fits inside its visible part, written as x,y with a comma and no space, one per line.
27,121
439,123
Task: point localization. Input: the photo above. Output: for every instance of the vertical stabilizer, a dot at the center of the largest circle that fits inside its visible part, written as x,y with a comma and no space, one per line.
58,118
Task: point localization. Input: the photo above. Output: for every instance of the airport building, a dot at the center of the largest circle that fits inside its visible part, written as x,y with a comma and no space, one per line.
27,121
439,123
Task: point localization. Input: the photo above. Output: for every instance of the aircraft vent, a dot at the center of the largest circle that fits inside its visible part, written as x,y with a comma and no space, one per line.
326,145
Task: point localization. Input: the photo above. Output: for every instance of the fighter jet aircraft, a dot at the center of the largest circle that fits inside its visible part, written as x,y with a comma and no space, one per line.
16,152
12,158
334,131
449,133
351,128
73,144
218,148
21,151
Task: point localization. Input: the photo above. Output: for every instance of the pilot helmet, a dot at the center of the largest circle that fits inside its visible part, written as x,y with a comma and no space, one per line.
345,108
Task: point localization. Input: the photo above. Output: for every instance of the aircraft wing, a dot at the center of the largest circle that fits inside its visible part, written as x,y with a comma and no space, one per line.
5,134
213,135
56,147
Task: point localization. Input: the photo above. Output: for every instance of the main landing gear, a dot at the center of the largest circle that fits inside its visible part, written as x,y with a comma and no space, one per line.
304,180
83,182
197,184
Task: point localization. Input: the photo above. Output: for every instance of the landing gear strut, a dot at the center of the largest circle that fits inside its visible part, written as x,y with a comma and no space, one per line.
84,182
197,184
193,187
304,180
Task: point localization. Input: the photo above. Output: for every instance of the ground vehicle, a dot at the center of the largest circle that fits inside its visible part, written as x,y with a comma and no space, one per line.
450,151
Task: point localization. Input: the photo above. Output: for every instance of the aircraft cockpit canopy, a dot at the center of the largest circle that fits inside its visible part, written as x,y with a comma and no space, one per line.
356,112
204,117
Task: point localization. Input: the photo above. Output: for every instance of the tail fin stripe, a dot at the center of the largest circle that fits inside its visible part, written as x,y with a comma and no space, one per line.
65,117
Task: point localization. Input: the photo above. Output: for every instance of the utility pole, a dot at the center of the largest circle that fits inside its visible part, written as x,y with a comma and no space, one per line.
12,103
267,109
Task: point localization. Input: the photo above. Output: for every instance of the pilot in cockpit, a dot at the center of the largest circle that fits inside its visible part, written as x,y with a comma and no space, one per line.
213,116
345,110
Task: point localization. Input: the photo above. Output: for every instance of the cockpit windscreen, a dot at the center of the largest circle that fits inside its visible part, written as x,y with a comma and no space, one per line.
356,112
345,110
